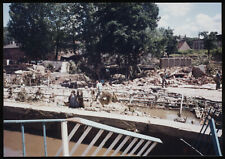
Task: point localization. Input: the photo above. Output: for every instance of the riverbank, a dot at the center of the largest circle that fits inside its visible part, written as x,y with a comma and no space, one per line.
28,111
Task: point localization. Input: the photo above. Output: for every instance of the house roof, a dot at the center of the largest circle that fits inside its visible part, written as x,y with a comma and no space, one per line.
11,46
180,43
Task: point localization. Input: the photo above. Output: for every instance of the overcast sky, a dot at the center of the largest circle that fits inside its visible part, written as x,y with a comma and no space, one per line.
191,18
184,18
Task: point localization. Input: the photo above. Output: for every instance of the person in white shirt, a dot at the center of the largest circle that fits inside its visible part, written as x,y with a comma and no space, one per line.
99,89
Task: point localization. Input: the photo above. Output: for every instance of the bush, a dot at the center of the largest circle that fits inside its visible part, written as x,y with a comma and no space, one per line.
73,68
185,52
217,54
50,67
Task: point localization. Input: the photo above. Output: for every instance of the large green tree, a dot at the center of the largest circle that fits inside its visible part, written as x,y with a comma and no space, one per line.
209,40
122,28
73,20
162,41
171,46
29,26
90,36
159,42
57,23
91,32
6,37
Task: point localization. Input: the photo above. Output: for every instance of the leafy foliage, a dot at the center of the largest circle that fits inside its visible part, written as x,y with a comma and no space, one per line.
126,31
29,26
90,34
6,37
209,40
171,42
122,29
162,41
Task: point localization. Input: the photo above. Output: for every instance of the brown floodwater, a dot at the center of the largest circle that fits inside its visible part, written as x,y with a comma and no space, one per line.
171,114
35,146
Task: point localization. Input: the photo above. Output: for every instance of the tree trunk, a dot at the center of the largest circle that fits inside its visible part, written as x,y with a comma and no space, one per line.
135,68
57,46
208,53
98,66
127,66
56,52
74,48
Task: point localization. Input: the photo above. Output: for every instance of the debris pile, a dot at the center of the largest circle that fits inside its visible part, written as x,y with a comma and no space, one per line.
22,95
199,71
122,96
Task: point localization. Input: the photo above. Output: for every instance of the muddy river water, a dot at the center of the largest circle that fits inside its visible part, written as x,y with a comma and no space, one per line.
171,114
35,145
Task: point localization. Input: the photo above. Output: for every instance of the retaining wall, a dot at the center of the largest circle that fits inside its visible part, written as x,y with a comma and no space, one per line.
172,62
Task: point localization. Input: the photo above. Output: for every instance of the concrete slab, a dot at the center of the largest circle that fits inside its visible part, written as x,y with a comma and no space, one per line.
214,95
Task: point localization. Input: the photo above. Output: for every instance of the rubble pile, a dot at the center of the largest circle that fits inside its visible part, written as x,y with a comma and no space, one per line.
122,96
199,71
21,96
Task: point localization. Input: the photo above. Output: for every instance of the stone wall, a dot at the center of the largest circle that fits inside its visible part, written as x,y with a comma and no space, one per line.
171,62
58,65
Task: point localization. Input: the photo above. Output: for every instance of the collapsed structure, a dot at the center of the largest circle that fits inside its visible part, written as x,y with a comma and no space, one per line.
39,84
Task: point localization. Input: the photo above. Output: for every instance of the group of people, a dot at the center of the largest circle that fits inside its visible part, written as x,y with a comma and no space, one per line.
73,98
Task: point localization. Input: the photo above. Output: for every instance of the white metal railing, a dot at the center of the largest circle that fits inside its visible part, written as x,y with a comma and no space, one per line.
138,139
138,144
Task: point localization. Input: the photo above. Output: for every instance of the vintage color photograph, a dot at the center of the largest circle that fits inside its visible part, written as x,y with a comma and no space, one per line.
112,79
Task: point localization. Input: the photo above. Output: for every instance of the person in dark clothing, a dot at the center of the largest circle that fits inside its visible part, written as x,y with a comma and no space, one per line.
217,80
73,101
108,75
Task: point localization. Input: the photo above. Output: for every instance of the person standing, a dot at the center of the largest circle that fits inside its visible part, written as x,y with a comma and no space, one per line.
99,89
217,80
164,76
73,102
33,78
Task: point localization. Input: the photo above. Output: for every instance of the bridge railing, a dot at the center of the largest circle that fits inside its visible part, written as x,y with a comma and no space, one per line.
23,122
126,142
199,145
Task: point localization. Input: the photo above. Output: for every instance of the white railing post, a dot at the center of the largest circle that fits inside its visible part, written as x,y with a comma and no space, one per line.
181,105
65,141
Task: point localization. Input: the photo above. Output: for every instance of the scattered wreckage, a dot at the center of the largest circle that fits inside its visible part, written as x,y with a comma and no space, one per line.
37,83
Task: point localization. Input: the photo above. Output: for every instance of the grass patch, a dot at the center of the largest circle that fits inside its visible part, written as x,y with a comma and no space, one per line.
189,53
